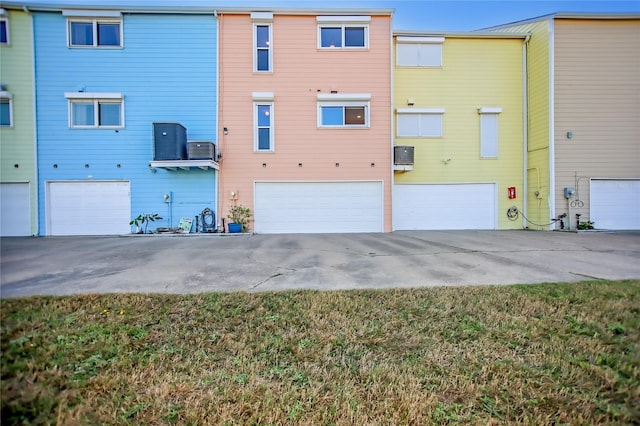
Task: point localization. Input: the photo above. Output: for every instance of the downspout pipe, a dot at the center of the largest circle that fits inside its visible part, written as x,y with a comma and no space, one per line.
525,129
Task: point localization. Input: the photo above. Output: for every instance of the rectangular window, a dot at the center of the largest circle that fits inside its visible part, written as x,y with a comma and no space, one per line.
419,51
343,110
4,31
343,32
95,110
489,132
419,122
95,33
262,48
6,113
263,122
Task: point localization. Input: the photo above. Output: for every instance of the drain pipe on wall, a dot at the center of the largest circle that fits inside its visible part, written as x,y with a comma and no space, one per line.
525,129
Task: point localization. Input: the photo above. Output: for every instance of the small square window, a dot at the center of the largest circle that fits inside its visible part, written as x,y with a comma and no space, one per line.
82,114
354,36
5,112
4,31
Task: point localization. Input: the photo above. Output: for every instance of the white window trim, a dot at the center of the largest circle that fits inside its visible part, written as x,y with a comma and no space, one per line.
5,18
421,111
262,99
97,98
345,100
262,23
95,18
420,40
8,96
344,22
490,111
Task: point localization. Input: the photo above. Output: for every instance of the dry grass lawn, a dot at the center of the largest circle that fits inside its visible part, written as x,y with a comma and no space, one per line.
554,353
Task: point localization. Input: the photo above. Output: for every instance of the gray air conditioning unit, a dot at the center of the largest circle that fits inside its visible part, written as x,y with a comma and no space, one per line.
169,141
403,155
201,150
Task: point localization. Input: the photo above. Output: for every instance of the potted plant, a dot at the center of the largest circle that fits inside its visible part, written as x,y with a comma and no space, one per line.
239,217
144,219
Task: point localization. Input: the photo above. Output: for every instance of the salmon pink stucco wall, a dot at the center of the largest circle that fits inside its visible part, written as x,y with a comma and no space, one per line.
300,73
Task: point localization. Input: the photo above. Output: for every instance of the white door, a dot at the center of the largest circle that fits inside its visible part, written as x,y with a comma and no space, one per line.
444,206
88,208
15,210
318,207
615,204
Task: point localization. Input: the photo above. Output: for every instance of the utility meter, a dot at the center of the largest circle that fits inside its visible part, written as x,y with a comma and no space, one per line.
569,192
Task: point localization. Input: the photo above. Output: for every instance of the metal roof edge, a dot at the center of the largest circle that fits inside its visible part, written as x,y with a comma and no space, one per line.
205,9
459,34
567,15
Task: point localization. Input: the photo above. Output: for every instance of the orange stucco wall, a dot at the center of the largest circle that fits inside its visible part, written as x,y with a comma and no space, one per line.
300,72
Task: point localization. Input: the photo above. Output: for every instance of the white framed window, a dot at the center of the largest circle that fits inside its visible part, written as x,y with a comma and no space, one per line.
343,32
419,122
263,137
489,131
4,28
262,41
419,51
95,110
344,110
99,29
6,109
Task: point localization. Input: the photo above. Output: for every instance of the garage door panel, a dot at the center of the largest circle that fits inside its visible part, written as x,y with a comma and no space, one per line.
318,207
435,206
15,210
89,208
615,204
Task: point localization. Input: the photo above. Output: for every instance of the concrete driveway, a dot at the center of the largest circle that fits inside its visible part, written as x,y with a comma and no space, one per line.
201,263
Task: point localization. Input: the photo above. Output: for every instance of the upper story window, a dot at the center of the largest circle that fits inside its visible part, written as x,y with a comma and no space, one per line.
262,41
4,27
419,51
419,122
93,29
6,109
343,32
95,110
263,139
343,110
489,131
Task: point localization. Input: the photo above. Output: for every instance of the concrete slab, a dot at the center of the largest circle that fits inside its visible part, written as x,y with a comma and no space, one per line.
203,263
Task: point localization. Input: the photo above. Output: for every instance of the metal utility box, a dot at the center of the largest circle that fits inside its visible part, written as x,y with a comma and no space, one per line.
403,155
169,141
201,150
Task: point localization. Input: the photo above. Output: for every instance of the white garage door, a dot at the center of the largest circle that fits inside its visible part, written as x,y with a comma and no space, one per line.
615,204
318,207
15,210
455,206
88,208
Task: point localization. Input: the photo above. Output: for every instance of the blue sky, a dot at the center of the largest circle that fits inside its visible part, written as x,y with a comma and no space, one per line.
425,15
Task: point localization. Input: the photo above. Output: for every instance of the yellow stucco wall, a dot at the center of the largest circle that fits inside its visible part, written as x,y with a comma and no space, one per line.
476,72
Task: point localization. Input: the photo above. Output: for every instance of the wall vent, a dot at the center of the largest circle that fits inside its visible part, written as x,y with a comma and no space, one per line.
403,155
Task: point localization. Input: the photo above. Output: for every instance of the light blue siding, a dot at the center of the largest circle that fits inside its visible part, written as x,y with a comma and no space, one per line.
166,71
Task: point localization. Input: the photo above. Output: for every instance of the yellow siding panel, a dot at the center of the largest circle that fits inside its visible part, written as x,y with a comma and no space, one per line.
475,73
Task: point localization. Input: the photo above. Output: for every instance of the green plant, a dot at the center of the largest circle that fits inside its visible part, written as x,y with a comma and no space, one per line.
585,225
240,214
144,219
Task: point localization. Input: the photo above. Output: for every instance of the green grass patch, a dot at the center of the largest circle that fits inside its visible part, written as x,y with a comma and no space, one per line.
557,353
